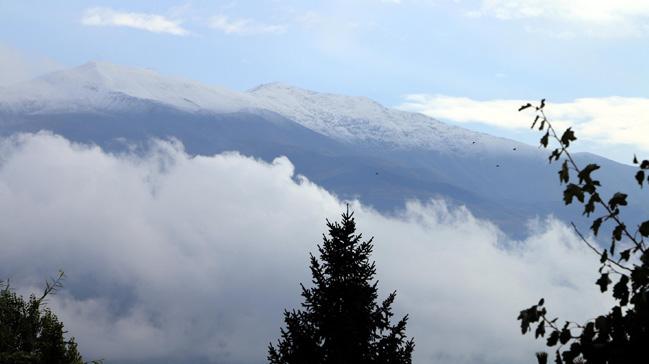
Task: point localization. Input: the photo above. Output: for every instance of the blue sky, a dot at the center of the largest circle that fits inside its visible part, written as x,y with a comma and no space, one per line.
455,60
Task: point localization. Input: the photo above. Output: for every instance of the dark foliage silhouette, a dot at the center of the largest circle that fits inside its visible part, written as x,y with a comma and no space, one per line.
620,336
340,321
30,333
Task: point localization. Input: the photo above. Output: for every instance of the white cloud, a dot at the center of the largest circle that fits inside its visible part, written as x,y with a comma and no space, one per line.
150,22
16,66
244,26
602,18
195,258
606,120
599,11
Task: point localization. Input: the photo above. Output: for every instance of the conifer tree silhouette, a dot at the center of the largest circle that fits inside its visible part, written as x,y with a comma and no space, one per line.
340,321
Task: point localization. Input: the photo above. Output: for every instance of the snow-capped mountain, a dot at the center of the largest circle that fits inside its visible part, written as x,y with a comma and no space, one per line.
350,145
105,87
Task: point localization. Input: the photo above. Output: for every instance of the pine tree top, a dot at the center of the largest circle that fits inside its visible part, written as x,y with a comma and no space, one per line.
341,320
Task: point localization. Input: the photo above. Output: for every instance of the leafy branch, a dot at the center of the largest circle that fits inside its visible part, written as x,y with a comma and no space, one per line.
620,335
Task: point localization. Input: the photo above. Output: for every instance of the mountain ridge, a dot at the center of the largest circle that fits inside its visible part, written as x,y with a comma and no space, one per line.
102,86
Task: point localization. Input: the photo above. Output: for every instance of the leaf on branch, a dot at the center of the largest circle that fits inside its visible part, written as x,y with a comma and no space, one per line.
567,137
545,138
603,282
617,232
644,229
535,120
639,177
625,255
542,104
527,317
553,338
601,324
644,164
589,208
588,333
565,335
528,105
621,290
556,154
635,159
540,330
542,124
590,187
618,198
570,356
564,174
604,257
584,175
572,191
542,357
541,302
597,223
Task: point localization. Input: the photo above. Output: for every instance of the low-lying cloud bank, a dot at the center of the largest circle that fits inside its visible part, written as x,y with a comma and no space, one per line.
185,259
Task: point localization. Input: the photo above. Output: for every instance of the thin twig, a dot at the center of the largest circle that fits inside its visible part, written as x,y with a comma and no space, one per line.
53,286
595,249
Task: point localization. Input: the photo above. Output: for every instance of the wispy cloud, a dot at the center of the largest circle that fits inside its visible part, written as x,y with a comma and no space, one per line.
597,11
150,22
244,26
17,66
607,120
602,18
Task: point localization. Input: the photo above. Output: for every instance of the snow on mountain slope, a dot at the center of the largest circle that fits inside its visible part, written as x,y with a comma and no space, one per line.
354,118
101,87
105,86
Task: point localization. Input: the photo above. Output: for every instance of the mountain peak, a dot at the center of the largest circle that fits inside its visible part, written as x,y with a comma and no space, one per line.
98,85
115,70
275,85
281,87
96,65
100,74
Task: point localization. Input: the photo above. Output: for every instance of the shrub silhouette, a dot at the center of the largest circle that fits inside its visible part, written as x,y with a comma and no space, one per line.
30,333
622,334
340,321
